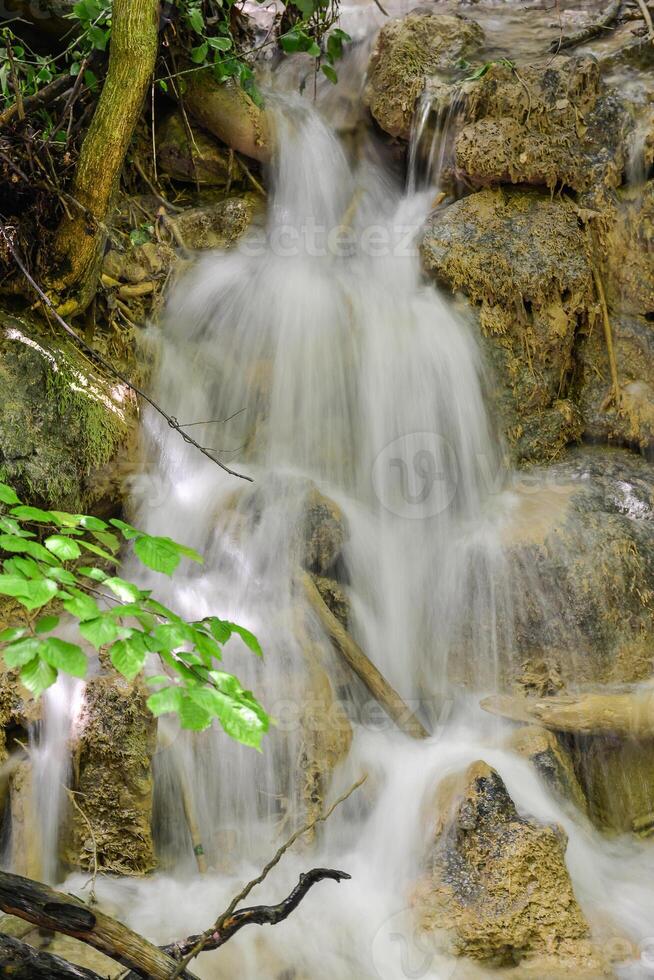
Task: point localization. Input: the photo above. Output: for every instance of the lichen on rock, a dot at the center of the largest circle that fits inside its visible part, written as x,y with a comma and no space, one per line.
112,766
496,883
407,53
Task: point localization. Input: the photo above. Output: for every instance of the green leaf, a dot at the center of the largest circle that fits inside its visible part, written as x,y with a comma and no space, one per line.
12,633
26,567
239,720
99,631
126,530
329,73
8,494
33,514
46,624
61,575
220,629
209,649
13,527
13,543
91,523
93,548
192,716
107,539
159,554
31,594
94,573
199,54
64,548
126,591
162,702
219,43
129,656
306,7
248,638
81,605
64,656
99,38
21,652
196,20
90,78
37,676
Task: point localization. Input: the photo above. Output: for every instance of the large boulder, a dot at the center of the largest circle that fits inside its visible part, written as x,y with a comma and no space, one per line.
550,126
524,260
62,422
497,885
579,545
408,53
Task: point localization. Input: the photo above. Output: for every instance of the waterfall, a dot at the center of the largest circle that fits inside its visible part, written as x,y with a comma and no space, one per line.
314,359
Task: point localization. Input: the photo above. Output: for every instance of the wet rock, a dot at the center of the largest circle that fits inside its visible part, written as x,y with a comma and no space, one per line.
218,225
323,534
631,419
609,738
61,422
630,253
523,259
408,52
548,125
148,262
201,160
580,549
334,597
497,882
551,759
113,779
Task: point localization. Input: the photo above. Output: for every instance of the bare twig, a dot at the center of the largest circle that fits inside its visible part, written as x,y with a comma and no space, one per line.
212,934
603,22
171,420
647,17
71,796
608,333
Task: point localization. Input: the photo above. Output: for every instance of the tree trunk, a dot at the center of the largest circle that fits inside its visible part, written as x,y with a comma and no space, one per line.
132,58
229,113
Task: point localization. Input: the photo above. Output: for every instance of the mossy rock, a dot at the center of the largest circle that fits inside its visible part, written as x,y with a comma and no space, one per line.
61,421
523,260
496,883
552,125
203,160
408,53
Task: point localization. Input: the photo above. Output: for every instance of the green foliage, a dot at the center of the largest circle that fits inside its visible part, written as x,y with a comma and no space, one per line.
42,562
481,70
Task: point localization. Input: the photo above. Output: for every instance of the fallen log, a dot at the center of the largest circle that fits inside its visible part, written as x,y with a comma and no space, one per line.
22,962
630,715
228,112
58,912
392,703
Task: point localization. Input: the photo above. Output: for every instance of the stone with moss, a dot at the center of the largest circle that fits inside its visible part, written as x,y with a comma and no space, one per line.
524,261
496,885
62,422
408,53
112,767
193,156
553,125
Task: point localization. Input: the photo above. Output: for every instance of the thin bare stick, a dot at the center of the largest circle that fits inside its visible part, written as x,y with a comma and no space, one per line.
608,333
171,420
603,22
71,796
647,17
245,891
384,12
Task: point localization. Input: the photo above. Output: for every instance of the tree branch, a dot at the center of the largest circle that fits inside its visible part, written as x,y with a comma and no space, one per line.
80,343
259,915
58,912
22,962
603,22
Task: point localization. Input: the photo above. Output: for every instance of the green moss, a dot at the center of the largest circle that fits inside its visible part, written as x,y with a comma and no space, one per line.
60,421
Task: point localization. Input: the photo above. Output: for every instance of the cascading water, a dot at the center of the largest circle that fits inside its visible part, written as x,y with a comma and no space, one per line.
316,361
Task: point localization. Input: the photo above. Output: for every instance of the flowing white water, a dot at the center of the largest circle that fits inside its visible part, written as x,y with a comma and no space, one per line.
350,375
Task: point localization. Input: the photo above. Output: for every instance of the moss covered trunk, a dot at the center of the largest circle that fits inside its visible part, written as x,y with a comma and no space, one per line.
131,64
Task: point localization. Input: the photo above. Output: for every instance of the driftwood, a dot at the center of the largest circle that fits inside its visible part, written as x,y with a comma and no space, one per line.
604,21
58,912
629,715
392,703
258,915
22,962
